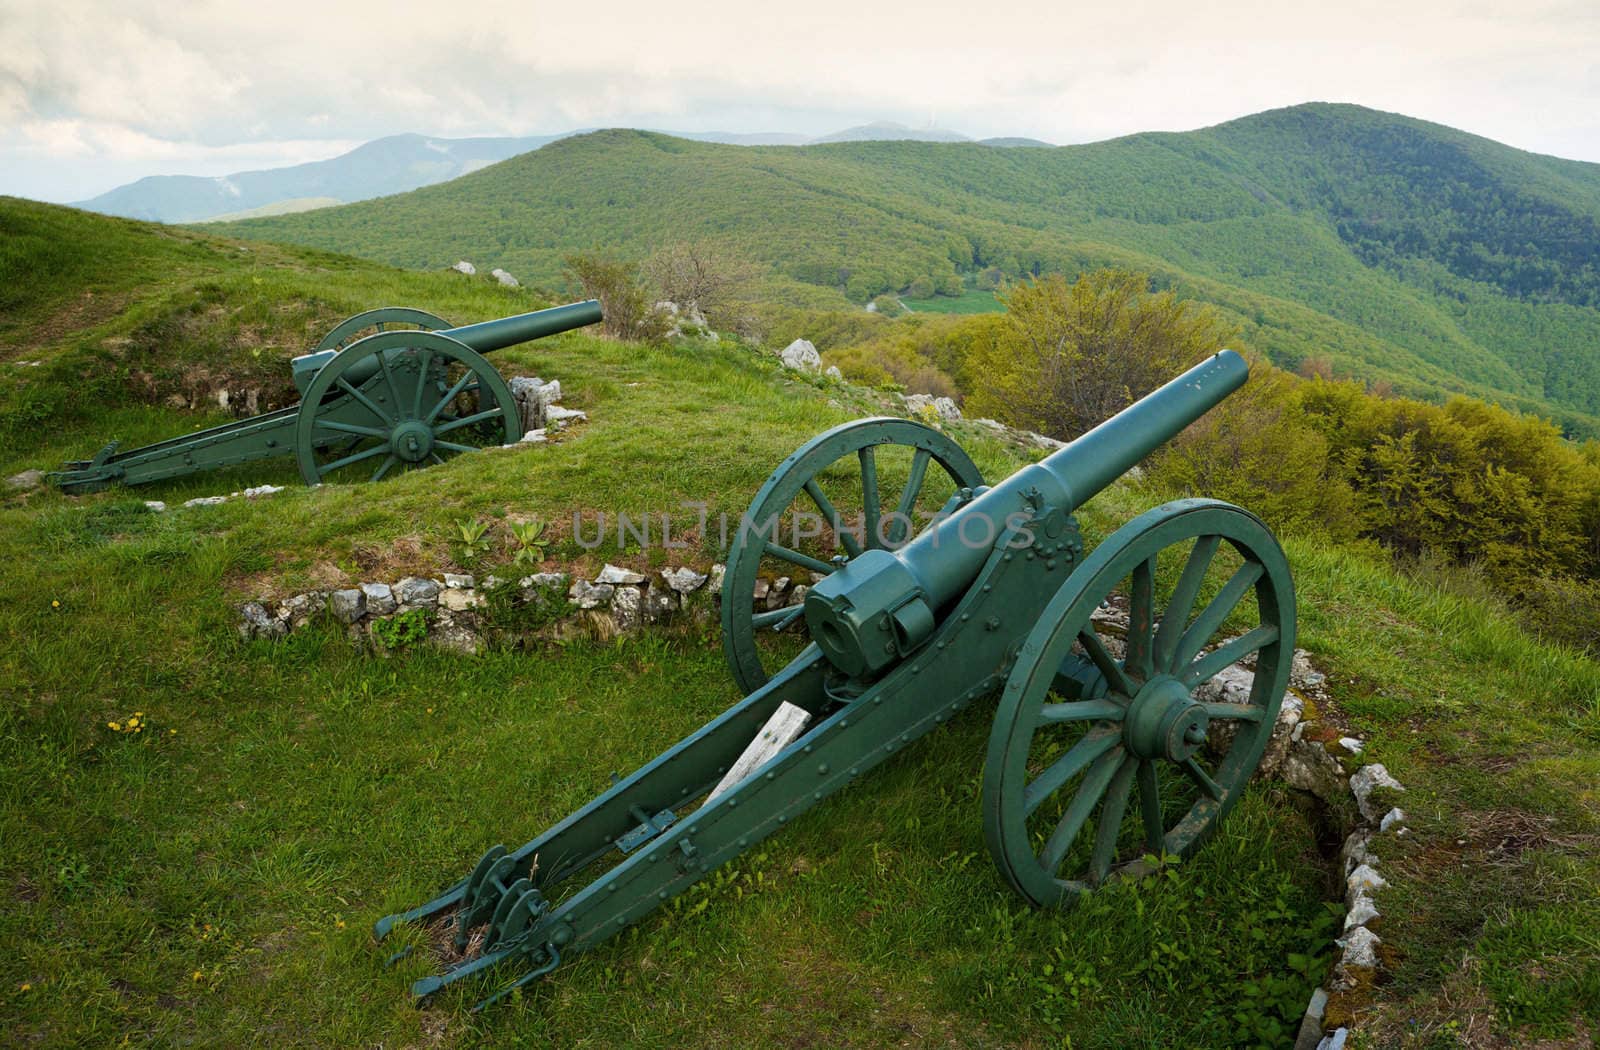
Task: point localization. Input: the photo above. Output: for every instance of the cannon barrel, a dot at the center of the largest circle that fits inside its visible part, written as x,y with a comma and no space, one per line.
485,337
882,605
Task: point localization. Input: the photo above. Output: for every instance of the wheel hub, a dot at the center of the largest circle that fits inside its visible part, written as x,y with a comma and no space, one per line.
412,440
1164,721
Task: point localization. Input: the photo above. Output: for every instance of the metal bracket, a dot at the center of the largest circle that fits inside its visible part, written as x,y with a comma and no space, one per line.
649,827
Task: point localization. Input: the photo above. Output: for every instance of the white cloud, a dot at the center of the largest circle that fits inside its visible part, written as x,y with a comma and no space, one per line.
108,82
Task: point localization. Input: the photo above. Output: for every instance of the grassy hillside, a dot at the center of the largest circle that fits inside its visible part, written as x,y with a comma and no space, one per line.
215,877
1405,251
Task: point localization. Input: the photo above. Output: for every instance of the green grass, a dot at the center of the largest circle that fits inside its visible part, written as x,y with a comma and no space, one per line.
309,788
970,301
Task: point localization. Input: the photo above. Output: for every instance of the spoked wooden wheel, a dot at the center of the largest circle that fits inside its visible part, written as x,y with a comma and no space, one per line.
1094,760
400,400
383,319
864,484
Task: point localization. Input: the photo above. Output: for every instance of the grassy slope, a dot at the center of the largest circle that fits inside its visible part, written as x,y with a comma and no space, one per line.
308,789
1320,229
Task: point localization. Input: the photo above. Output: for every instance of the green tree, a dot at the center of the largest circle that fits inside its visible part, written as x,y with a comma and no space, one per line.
1069,355
628,306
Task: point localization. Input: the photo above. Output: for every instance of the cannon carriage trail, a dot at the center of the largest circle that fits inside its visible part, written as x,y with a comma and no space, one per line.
198,831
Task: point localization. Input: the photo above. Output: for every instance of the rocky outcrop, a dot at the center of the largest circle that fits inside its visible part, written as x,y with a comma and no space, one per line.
801,356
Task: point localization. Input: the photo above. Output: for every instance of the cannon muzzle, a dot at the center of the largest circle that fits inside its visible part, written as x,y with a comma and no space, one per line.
882,605
484,337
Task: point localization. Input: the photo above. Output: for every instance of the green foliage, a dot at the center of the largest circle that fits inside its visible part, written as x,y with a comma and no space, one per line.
402,630
472,534
530,537
1067,356
625,299
887,305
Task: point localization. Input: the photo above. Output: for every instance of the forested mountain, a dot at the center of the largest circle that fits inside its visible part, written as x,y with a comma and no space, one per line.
1396,249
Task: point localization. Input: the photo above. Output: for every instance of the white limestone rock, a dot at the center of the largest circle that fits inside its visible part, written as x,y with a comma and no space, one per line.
460,599
627,608
1391,818
801,356
505,278
25,481
615,574
459,582
683,580
348,605
832,372
417,591
465,267
380,598
1360,949
1367,780
590,596
155,506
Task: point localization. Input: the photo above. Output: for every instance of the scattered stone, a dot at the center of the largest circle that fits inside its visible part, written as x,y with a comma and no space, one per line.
1309,767
205,501
1391,818
775,594
714,584
1365,878
417,591
627,608
505,278
25,481
659,604
590,596
380,598
1365,781
948,410
683,581
465,267
458,582
261,490
1360,949
832,372
1048,442
1335,1041
533,437
560,416
459,599
543,581
761,589
1351,744
1362,911
801,356
298,609
1354,852
447,633
258,623
155,506
348,606
1311,1024
616,574
797,596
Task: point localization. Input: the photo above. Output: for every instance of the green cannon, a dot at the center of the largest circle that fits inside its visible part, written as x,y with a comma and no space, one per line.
386,389
1113,739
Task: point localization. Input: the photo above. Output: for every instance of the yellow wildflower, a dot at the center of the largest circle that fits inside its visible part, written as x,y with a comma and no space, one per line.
138,714
115,727
172,732
341,924
198,975
55,603
25,987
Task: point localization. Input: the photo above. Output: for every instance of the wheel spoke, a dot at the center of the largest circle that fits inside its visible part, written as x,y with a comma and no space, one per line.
869,496
457,424
1183,596
375,450
1094,785
364,400
1234,712
1228,654
436,457
1155,835
453,447
424,359
805,561
1069,765
351,428
1082,711
383,468
908,496
1097,652
1202,779
825,506
778,619
1221,607
448,397
388,378
1141,617
1110,823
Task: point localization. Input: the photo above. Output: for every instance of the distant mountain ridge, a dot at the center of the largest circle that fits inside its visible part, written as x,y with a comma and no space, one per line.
1399,250
399,163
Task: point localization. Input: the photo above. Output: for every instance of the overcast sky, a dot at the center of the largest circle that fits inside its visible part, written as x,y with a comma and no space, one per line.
95,93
